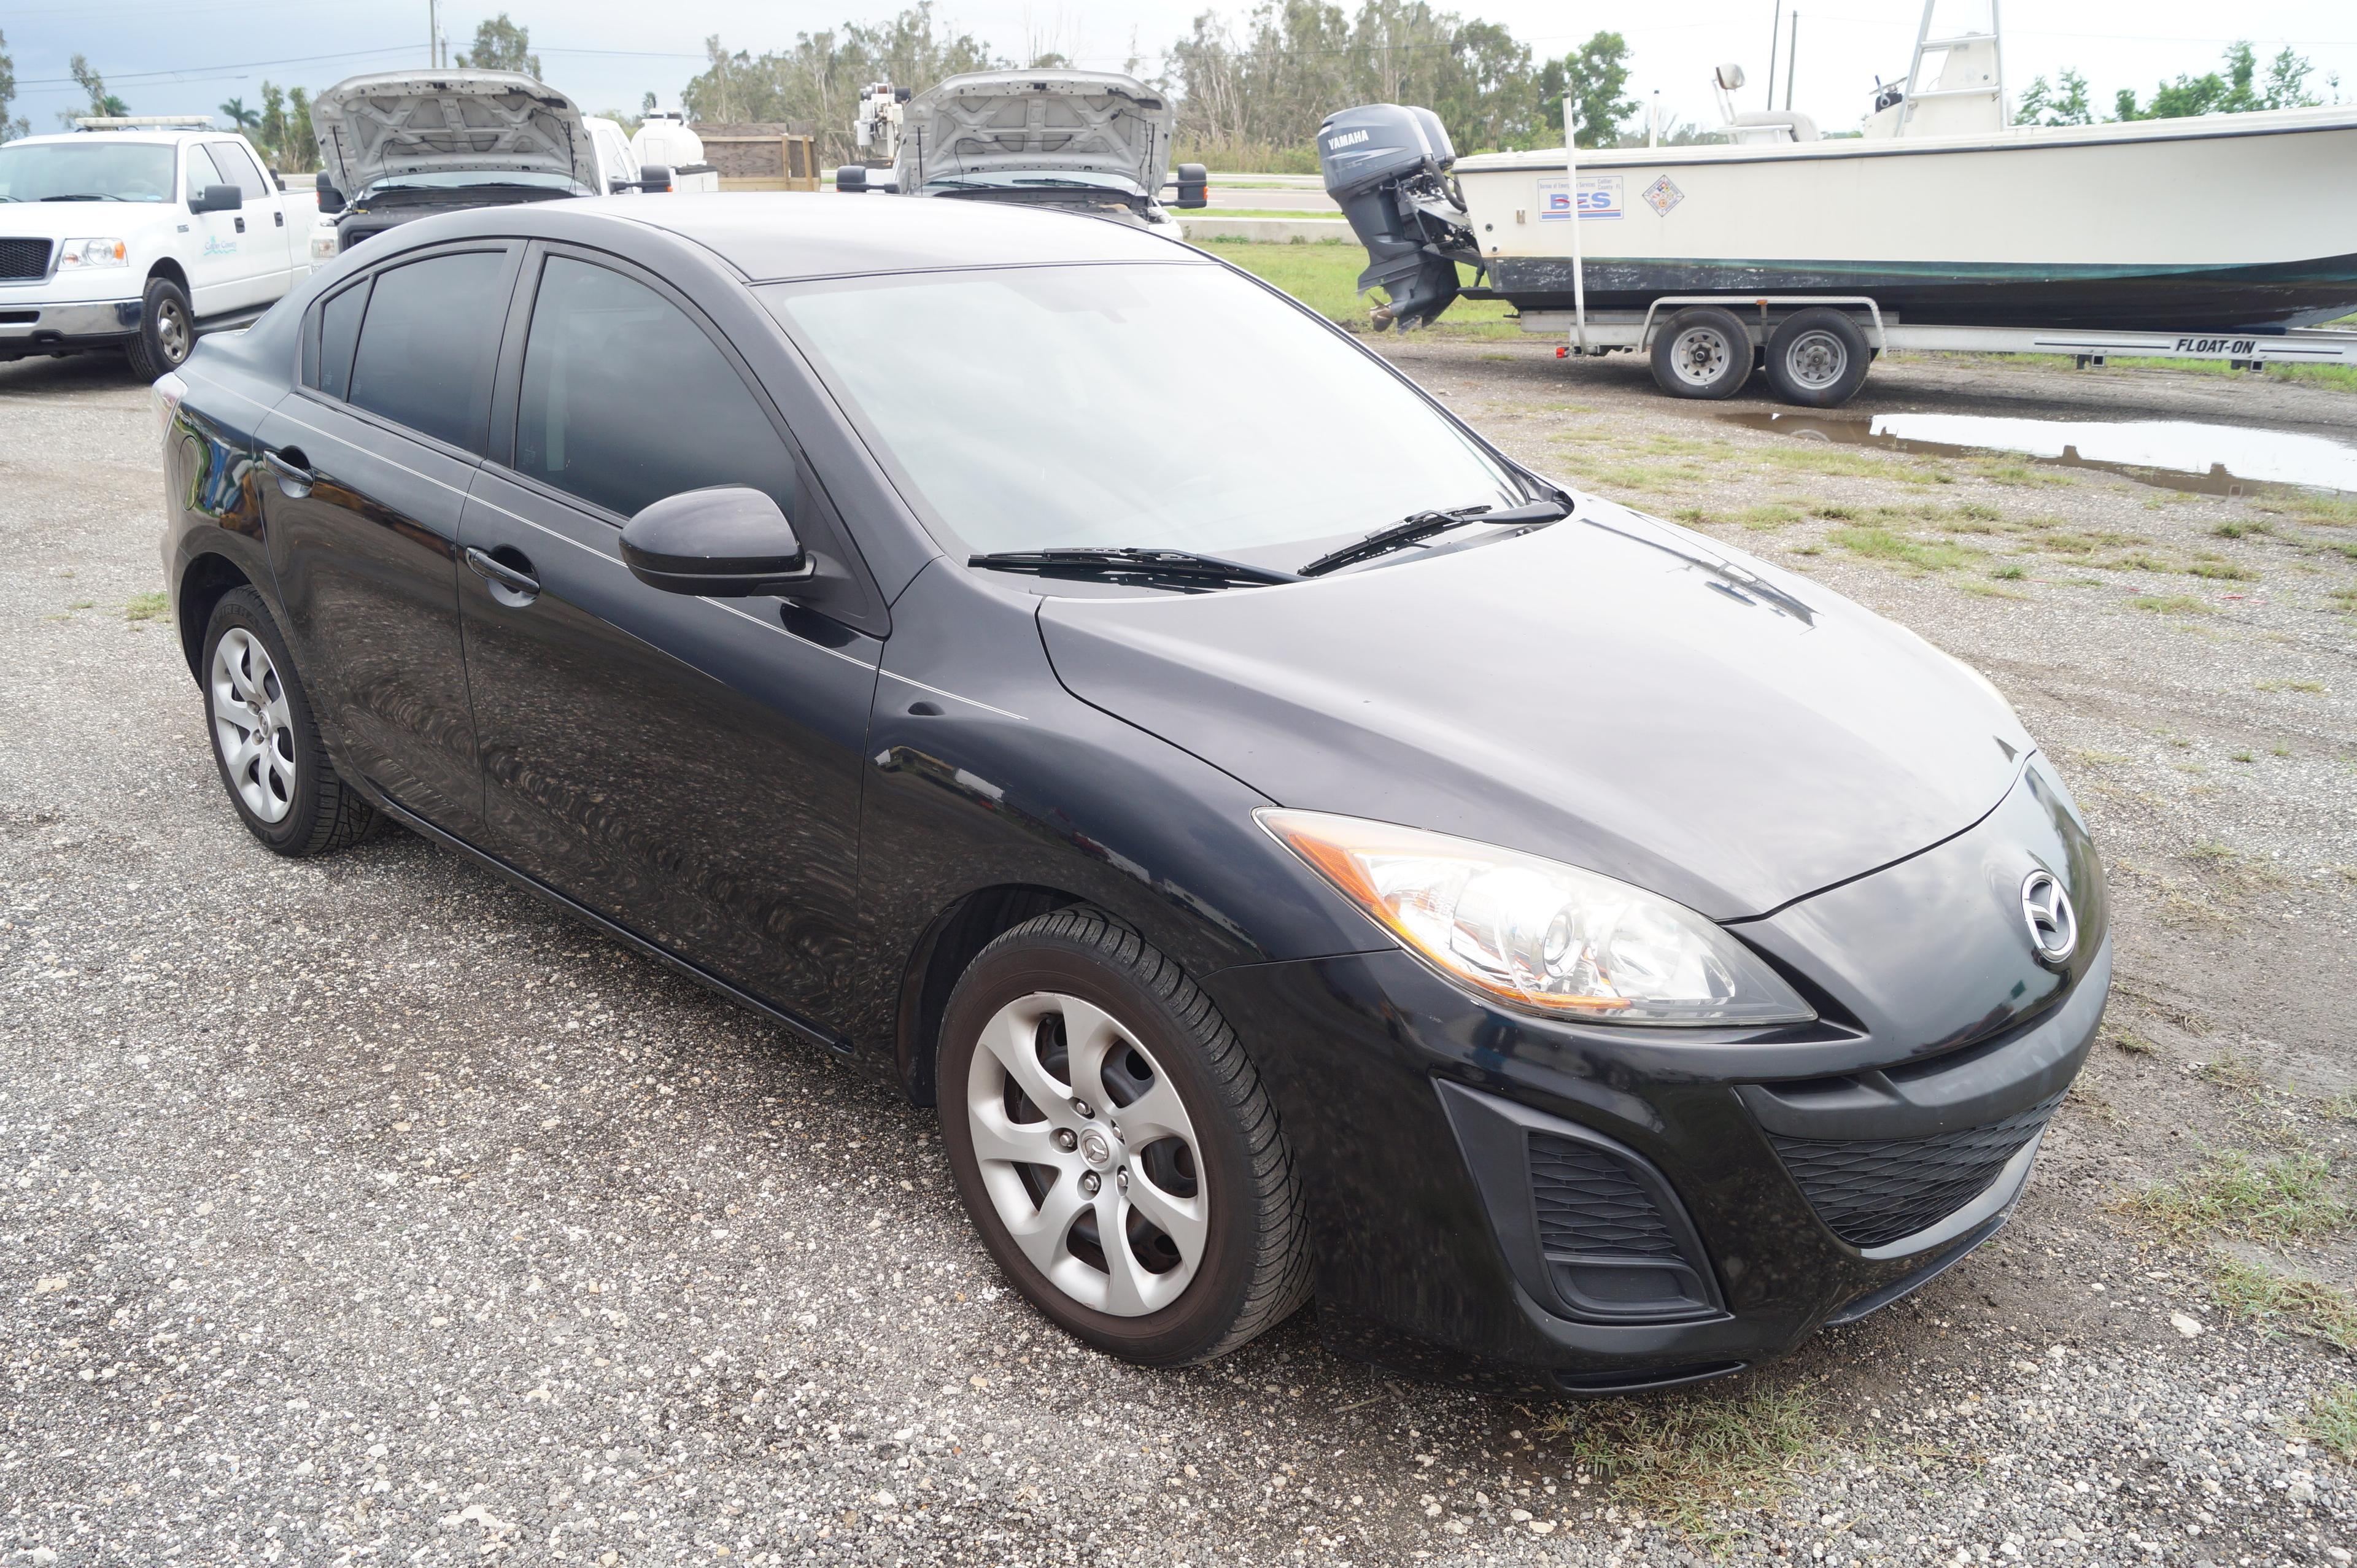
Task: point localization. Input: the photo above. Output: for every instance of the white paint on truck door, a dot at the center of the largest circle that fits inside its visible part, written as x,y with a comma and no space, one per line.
216,257
261,228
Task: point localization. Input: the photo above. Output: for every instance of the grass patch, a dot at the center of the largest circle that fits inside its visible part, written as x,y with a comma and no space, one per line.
2170,604
1326,279
2330,511
2285,1198
146,607
2251,1290
2316,687
2240,529
1980,590
1881,544
1843,462
2009,574
1686,1460
1998,471
2222,571
1775,514
2333,1420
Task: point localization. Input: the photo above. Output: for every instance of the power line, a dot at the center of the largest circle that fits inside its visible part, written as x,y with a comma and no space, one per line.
196,72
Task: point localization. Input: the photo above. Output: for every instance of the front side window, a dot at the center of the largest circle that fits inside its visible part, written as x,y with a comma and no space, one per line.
95,169
203,172
625,401
428,342
236,168
1158,405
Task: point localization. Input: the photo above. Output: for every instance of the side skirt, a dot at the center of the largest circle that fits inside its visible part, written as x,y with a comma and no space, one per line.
622,934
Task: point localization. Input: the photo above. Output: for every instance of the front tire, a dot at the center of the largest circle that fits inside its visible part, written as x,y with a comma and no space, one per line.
1703,352
1087,1091
167,330
267,743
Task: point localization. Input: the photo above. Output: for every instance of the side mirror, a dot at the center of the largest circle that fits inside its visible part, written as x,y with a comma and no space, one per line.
654,177
1194,185
331,201
217,198
726,542
851,179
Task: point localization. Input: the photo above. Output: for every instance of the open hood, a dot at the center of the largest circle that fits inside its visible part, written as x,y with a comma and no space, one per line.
1037,121
398,123
1630,699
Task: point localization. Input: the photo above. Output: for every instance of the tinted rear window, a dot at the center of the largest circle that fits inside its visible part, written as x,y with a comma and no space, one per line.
339,329
427,345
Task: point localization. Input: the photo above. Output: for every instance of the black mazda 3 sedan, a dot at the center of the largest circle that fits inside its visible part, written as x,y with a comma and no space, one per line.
1305,855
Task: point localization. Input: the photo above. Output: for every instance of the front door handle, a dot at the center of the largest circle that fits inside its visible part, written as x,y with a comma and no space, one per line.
241,225
279,219
511,584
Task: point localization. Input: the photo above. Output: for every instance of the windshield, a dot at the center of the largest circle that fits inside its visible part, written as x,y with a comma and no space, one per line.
1177,406
94,170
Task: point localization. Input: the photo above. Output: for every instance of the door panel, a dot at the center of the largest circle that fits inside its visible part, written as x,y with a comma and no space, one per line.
687,768
218,264
264,244
365,557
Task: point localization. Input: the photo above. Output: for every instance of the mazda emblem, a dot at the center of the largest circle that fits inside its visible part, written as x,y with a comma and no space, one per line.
2054,924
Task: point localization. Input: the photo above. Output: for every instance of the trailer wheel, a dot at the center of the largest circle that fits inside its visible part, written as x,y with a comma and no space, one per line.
1703,352
1817,358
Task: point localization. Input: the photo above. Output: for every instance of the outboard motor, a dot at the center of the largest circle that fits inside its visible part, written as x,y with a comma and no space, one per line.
1386,165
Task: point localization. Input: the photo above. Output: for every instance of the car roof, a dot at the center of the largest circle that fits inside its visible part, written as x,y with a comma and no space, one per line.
772,237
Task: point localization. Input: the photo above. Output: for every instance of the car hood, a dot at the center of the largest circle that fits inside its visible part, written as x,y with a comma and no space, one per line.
1611,692
1045,122
452,122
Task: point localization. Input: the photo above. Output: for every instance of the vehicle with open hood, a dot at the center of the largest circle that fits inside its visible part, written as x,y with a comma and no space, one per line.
1089,141
396,145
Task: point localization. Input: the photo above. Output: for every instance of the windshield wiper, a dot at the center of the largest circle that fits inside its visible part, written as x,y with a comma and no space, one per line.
1425,524
1130,561
83,196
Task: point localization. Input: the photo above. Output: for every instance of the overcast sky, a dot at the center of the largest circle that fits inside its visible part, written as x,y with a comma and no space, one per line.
177,57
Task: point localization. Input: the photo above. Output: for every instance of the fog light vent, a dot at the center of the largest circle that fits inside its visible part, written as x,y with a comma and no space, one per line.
1587,1202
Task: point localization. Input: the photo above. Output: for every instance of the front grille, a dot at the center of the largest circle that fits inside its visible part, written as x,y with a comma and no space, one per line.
22,259
1872,1191
1590,1205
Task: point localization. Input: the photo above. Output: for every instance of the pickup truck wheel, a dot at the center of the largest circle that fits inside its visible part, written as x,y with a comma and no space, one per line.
167,330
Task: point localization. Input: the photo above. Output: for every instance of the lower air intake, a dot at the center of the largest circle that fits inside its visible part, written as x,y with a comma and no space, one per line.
1874,1191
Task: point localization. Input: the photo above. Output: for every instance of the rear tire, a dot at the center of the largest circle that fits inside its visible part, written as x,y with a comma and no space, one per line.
1177,1153
1817,358
265,741
1702,352
167,330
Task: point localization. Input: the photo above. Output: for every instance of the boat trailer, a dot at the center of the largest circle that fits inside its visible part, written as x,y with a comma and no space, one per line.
1816,346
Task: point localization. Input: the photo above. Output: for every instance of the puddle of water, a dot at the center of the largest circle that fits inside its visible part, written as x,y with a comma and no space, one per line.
2212,460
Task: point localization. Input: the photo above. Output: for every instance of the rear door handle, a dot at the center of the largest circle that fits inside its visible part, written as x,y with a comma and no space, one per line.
279,219
293,477
521,587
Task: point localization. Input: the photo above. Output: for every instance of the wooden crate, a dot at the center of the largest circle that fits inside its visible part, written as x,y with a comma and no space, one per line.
762,160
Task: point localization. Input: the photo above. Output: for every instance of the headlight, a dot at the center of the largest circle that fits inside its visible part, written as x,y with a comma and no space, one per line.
80,254
1537,933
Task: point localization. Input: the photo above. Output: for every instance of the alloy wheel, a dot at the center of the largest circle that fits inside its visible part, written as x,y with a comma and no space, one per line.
252,727
1088,1155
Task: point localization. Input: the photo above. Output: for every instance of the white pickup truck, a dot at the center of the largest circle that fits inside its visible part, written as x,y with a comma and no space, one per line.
136,234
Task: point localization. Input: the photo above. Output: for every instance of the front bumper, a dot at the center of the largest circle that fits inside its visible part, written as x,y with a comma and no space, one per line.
31,327
1526,1202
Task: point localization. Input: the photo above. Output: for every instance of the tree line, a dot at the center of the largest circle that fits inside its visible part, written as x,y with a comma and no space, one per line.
2238,91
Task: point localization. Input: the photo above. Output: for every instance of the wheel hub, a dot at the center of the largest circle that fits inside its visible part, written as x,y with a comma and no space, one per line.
1098,1148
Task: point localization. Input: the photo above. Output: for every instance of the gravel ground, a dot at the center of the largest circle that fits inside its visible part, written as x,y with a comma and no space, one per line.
362,1209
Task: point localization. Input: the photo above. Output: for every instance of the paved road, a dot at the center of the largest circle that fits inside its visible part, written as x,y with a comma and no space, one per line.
362,1210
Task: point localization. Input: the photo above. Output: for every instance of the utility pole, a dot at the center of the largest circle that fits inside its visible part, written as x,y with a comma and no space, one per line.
433,35
1791,60
1775,37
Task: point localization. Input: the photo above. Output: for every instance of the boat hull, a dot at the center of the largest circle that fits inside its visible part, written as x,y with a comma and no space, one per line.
2243,222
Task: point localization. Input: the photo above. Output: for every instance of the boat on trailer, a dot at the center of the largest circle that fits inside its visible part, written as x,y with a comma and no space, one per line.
2227,236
